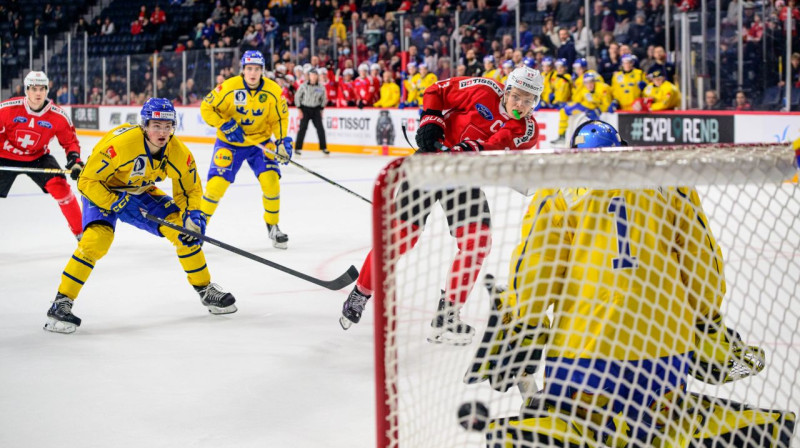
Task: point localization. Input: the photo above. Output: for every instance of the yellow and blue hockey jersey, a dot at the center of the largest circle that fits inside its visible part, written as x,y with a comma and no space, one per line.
628,272
261,112
121,161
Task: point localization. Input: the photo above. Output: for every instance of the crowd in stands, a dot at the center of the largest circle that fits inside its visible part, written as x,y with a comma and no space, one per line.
351,35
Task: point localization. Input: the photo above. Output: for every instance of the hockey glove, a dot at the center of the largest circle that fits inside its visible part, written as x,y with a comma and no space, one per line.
195,221
613,107
283,150
431,131
468,146
75,165
592,114
720,355
233,132
120,203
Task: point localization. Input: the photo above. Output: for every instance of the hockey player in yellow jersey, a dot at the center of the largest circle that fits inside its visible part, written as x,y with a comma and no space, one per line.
627,84
548,73
508,67
413,94
426,79
118,183
635,281
593,98
248,110
663,95
579,68
490,69
561,84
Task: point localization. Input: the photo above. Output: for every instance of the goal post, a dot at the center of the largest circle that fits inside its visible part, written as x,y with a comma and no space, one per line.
748,214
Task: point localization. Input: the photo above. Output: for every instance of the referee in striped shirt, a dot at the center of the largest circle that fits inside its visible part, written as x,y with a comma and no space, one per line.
310,100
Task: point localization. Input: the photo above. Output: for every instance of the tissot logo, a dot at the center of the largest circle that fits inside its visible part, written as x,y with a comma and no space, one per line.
347,123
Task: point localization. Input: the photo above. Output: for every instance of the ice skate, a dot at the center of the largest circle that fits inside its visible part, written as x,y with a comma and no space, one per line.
279,239
447,326
215,299
325,151
559,142
60,318
352,308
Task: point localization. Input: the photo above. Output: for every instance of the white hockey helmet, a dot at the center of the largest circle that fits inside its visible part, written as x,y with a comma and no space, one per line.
307,67
36,78
374,67
323,71
528,80
363,67
348,71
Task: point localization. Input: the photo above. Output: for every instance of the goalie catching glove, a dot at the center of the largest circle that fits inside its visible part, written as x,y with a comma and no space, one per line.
721,356
507,349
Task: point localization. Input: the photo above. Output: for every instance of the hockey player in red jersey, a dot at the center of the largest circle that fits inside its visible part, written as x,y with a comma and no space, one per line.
481,115
362,86
375,82
27,124
347,93
331,86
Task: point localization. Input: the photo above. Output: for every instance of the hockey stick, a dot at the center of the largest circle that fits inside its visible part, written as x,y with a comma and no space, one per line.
22,169
312,172
403,127
343,280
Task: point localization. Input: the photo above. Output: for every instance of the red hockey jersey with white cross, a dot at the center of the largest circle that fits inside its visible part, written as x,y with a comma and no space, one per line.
25,134
362,86
475,112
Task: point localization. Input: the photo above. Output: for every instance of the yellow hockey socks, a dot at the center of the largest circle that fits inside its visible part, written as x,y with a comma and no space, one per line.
271,187
93,246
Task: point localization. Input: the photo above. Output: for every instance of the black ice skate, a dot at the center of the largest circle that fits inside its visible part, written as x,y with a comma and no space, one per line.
216,300
325,151
352,309
279,239
60,318
559,142
447,325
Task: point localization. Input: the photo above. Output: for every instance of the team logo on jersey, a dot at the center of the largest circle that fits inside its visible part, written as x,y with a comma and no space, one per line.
239,97
25,138
241,110
484,111
262,97
20,120
258,112
481,81
139,166
45,124
223,158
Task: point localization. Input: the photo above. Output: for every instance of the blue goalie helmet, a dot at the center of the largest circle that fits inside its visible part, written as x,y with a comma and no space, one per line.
596,134
253,57
158,109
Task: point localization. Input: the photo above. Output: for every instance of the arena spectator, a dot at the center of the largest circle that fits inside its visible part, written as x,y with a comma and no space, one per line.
337,30
582,37
136,27
107,28
741,102
158,17
567,12
611,63
640,36
660,60
712,101
566,49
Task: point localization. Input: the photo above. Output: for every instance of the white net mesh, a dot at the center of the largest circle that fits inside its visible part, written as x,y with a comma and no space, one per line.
635,313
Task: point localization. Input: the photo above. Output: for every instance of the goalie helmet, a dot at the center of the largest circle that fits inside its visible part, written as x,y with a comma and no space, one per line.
253,57
36,79
528,80
157,109
595,134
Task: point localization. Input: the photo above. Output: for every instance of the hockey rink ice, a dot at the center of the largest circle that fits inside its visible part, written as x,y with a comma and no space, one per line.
150,367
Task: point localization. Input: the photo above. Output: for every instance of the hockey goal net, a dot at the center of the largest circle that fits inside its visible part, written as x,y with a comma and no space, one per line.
635,310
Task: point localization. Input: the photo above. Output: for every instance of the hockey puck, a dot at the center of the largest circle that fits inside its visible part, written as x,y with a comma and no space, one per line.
473,416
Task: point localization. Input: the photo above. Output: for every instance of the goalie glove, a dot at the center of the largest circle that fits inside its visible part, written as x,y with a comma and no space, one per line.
430,134
506,350
720,355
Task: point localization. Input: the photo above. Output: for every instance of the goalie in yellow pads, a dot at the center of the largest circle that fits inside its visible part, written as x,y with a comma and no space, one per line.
118,183
635,281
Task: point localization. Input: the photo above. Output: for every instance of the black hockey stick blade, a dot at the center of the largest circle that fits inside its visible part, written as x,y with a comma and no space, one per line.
336,284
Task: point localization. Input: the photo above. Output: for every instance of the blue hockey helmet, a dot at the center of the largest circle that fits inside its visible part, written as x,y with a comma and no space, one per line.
508,63
580,62
561,62
158,109
547,60
488,58
253,57
529,62
596,134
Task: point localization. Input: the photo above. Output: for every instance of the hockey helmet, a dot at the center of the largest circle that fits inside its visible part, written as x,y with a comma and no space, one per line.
580,63
561,62
36,78
488,58
529,62
253,57
508,63
348,71
363,67
547,60
595,134
374,67
528,80
157,109
590,76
